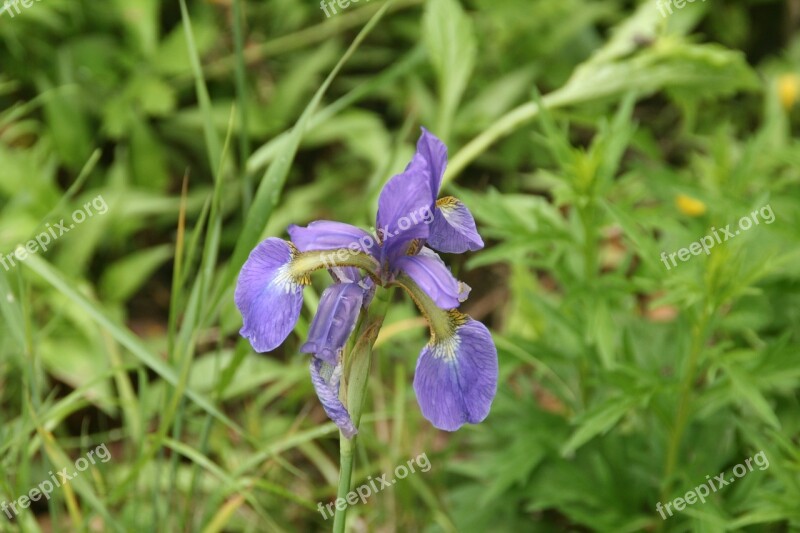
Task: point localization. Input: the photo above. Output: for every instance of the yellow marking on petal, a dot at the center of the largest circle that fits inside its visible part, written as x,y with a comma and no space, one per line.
291,272
457,318
690,206
414,247
788,90
447,203
446,344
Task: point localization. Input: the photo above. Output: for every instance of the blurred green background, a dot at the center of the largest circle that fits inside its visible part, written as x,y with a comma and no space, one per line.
587,136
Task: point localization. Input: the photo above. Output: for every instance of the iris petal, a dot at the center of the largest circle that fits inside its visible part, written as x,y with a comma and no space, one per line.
432,275
435,154
456,377
268,296
403,207
453,230
334,322
328,393
344,274
330,235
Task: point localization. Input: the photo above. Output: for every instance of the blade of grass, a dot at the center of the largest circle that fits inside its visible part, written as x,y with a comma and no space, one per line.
272,184
406,64
241,96
212,138
124,336
305,37
58,457
230,481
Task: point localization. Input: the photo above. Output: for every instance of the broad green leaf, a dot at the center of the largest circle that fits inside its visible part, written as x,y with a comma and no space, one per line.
450,40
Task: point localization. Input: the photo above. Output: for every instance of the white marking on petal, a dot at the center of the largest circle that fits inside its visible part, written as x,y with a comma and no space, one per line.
284,279
447,211
447,348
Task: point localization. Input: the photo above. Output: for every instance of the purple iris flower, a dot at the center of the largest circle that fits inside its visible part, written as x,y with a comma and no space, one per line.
456,376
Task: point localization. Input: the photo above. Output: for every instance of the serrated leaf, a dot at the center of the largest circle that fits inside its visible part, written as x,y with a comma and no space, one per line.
599,420
753,397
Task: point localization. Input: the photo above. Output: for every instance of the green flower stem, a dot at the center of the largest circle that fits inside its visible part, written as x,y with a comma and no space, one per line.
439,320
346,450
356,378
303,263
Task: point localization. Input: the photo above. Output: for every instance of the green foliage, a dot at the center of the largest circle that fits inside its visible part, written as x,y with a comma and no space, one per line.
576,130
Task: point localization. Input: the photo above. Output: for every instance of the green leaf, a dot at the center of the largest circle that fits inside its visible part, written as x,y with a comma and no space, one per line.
748,392
124,336
599,420
450,39
123,278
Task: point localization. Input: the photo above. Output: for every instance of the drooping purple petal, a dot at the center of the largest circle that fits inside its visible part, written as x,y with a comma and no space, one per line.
453,230
344,274
334,322
328,393
330,235
456,378
268,296
369,287
429,272
435,154
404,209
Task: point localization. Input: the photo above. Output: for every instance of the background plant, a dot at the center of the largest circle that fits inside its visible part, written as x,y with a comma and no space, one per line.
572,127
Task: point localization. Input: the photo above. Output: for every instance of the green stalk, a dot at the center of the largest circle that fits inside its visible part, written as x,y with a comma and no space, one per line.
241,96
356,377
699,334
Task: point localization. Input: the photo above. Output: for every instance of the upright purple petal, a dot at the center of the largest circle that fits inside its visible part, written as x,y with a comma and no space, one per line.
456,377
328,393
268,296
404,207
329,235
453,230
334,322
435,154
429,272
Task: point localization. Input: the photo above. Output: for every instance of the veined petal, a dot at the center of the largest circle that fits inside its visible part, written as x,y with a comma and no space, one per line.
269,294
345,274
435,154
328,392
405,209
453,230
334,322
432,276
330,235
456,377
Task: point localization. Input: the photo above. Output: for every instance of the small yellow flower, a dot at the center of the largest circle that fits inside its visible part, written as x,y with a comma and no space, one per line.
690,206
788,90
